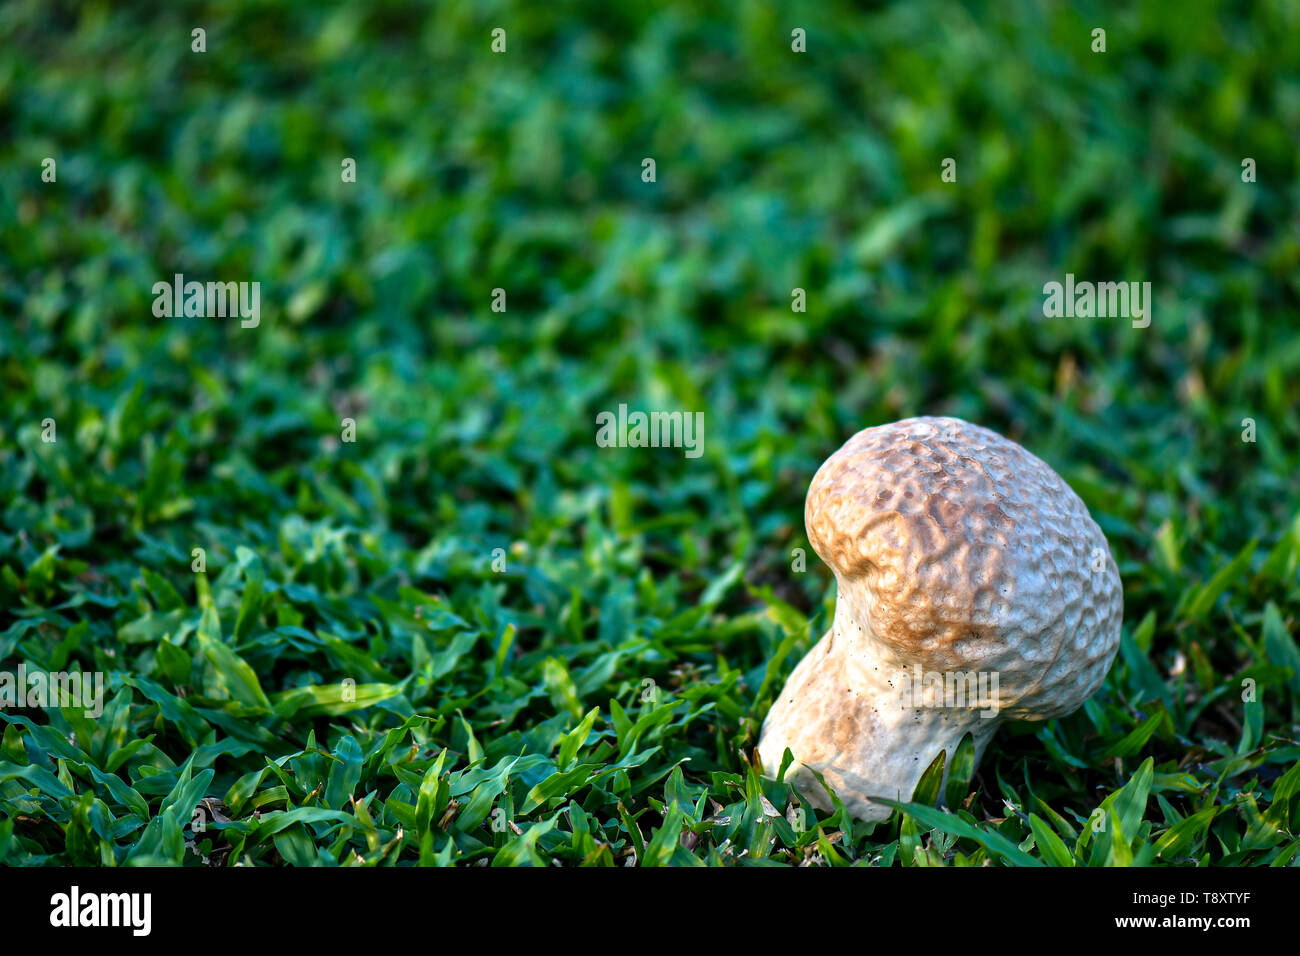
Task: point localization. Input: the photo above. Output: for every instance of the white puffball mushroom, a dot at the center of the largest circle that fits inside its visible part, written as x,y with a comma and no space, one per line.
967,568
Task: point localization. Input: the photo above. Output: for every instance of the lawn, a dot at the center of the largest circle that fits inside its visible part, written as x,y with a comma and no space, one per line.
361,584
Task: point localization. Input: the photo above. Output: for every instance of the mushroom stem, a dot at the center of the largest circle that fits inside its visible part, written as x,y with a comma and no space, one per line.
869,722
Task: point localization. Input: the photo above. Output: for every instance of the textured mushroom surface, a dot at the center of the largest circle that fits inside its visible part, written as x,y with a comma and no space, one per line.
973,587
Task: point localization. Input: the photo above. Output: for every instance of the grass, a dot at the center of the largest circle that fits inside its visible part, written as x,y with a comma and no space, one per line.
471,636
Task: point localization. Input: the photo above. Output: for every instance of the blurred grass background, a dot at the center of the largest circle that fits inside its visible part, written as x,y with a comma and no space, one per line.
372,561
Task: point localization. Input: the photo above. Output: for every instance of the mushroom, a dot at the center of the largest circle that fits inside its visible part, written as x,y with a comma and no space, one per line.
974,587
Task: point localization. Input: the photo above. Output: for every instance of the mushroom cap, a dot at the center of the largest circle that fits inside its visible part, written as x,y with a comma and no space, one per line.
961,551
